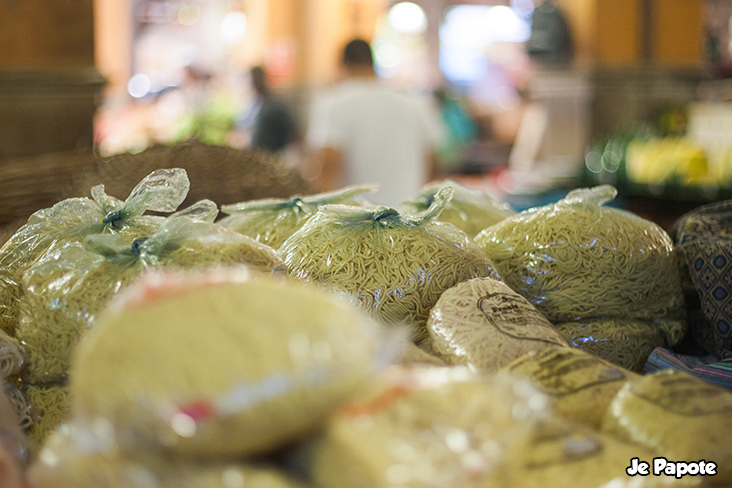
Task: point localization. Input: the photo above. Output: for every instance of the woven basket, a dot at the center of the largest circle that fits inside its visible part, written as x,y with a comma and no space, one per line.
220,173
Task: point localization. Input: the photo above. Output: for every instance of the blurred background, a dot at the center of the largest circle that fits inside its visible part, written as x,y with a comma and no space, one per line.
560,93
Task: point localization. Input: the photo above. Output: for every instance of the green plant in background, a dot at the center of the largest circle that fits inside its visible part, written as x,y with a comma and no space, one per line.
210,123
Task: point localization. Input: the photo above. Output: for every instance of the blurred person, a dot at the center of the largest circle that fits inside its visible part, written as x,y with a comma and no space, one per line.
272,125
365,133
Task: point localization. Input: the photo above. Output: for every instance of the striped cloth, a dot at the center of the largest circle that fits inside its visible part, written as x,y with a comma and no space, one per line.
705,368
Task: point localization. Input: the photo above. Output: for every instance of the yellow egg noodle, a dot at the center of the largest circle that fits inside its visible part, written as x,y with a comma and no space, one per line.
272,221
49,406
484,324
78,456
581,384
73,219
264,373
677,416
66,290
624,342
470,210
428,427
393,266
578,260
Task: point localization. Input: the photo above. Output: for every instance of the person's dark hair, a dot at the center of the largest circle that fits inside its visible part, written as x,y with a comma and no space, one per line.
357,53
259,79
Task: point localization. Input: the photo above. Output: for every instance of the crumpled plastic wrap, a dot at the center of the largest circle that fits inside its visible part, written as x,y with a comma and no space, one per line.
677,416
470,210
12,358
221,367
73,219
624,342
272,221
579,260
484,324
424,427
582,384
64,291
82,456
393,266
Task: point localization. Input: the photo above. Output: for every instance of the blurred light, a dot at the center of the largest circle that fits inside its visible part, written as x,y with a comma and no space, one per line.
189,14
523,8
388,55
183,425
233,27
139,85
231,478
407,18
593,161
465,27
504,25
463,66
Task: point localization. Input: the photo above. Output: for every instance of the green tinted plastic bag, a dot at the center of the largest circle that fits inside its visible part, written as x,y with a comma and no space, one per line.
73,219
272,221
393,266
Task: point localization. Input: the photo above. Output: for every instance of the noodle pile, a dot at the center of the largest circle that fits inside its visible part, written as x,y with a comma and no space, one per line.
73,219
486,325
225,369
578,260
624,342
394,267
441,427
68,461
272,221
582,384
470,210
673,413
49,406
65,291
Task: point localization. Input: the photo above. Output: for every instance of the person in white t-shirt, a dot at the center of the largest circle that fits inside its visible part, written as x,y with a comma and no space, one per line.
365,133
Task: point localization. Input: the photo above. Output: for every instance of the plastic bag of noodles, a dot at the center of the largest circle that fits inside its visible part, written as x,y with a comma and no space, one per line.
272,221
577,259
484,324
624,342
582,384
678,416
81,456
558,453
49,407
425,427
64,291
393,266
214,364
73,219
470,210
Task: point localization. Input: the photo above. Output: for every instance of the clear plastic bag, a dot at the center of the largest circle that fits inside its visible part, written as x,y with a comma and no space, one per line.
679,416
272,221
582,384
577,259
624,342
73,219
470,210
393,266
78,456
210,368
64,292
484,324
425,427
